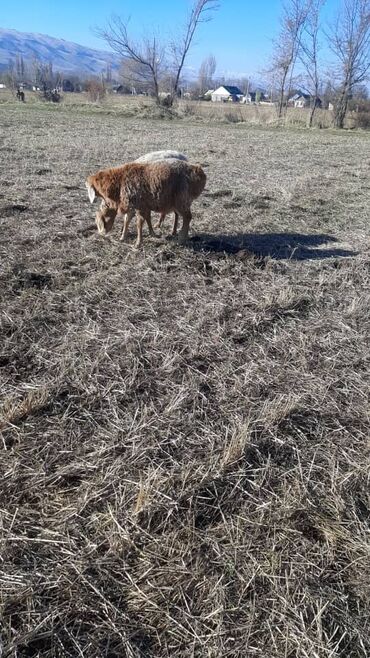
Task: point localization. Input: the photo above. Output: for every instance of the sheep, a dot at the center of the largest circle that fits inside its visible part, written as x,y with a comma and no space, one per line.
168,156
155,156
156,186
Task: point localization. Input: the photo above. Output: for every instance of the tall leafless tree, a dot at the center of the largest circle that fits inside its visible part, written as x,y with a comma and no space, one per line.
139,78
20,68
349,39
308,54
144,59
292,22
201,12
206,73
152,57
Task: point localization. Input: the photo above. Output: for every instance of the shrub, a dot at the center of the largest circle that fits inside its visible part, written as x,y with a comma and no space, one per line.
188,110
362,120
96,91
50,95
233,117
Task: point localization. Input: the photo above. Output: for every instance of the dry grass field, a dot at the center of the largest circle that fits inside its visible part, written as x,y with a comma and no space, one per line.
184,465
199,111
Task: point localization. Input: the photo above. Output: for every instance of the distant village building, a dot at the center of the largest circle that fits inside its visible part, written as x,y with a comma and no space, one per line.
208,95
119,89
2,86
301,100
226,93
254,97
24,86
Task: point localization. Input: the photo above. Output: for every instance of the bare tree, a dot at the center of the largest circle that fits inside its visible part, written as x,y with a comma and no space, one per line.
292,22
349,39
360,92
139,78
11,76
108,73
146,57
19,66
49,83
95,89
201,12
150,56
245,84
206,73
308,54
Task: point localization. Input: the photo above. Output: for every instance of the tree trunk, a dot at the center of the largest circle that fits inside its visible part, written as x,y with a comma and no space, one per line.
312,113
282,94
341,109
281,103
156,91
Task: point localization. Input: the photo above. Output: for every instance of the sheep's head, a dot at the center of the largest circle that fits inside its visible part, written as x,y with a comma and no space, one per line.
100,185
106,185
105,219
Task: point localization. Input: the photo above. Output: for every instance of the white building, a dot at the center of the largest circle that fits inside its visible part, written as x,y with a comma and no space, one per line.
254,97
301,100
226,93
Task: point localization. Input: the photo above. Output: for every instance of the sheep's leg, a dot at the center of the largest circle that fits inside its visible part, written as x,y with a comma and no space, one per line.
186,219
99,218
100,222
150,226
141,217
175,225
126,223
161,220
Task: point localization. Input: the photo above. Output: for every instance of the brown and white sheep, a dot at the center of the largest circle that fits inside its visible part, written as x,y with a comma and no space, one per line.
157,186
169,156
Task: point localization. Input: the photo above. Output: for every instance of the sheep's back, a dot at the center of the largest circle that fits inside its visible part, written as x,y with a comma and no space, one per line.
159,156
160,186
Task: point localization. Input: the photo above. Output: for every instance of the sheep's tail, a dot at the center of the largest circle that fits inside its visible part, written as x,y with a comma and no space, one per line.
197,180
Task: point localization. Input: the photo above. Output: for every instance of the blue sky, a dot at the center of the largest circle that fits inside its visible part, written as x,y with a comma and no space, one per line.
240,35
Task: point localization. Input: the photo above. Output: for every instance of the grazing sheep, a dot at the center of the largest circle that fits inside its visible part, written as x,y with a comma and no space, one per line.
156,186
168,156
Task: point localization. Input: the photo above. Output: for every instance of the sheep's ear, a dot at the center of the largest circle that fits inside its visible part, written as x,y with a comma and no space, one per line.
91,193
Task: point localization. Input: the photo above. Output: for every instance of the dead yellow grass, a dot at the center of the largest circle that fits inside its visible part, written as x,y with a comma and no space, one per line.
184,466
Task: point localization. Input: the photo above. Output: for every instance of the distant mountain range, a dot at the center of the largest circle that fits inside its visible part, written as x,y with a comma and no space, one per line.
65,56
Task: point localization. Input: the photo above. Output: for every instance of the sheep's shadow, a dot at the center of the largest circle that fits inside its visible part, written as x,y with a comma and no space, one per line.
279,246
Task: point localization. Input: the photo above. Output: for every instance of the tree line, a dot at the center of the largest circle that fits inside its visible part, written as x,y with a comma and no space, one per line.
307,54
299,46
297,54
